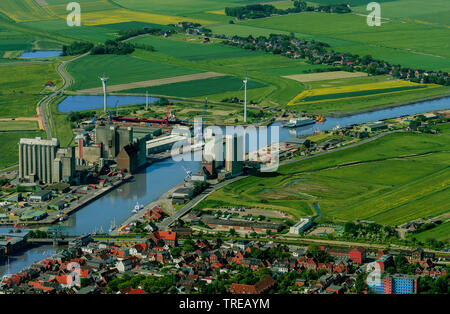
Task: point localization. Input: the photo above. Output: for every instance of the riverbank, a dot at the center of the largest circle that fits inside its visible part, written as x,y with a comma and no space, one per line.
164,202
395,105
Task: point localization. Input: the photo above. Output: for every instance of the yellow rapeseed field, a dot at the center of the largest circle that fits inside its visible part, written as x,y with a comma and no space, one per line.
23,10
353,88
218,12
124,15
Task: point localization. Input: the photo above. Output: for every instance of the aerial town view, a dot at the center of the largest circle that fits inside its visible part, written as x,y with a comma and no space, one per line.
220,148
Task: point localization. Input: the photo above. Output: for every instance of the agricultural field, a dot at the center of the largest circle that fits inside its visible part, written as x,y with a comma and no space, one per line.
410,44
340,92
22,86
9,154
211,10
397,178
315,77
121,69
436,12
27,78
194,51
158,82
346,96
6,126
438,233
197,88
12,106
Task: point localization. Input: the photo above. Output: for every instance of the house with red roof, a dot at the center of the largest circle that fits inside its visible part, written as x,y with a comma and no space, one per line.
258,288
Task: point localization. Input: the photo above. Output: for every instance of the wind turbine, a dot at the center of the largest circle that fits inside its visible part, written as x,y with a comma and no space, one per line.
245,98
104,80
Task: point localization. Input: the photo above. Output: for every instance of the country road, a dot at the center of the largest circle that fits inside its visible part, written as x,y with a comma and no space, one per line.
68,80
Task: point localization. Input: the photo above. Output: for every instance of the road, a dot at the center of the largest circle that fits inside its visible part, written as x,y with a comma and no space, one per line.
186,208
68,80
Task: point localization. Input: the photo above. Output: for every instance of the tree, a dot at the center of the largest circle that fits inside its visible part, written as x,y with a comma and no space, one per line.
232,231
360,284
188,245
301,5
175,251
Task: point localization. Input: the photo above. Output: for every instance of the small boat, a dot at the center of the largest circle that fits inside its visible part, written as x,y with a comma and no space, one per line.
137,208
295,123
113,225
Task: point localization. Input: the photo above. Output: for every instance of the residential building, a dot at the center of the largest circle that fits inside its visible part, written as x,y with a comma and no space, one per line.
258,288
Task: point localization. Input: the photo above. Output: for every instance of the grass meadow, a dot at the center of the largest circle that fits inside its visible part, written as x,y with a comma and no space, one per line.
395,179
197,88
120,69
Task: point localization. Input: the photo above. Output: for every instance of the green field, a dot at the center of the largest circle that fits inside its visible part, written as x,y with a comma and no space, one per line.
18,126
343,107
198,87
194,50
361,93
120,69
395,41
395,179
27,79
22,86
403,39
13,106
439,233
9,155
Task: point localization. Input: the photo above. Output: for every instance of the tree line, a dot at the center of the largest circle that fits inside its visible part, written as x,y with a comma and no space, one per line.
255,11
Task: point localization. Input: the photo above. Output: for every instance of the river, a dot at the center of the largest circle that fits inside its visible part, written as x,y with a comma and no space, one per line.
153,181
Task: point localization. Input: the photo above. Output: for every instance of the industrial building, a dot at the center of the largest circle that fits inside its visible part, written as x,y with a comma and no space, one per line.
234,154
242,226
301,226
36,158
113,139
132,156
40,196
44,161
64,165
213,155
114,144
163,144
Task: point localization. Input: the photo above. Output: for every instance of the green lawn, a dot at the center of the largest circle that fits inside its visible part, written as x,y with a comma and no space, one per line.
372,181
